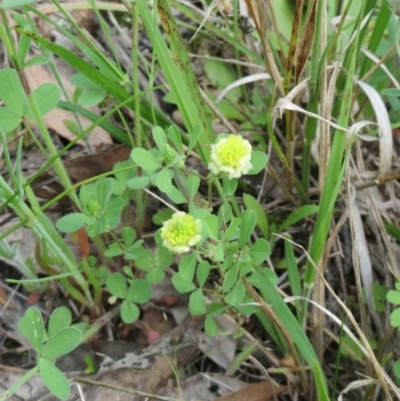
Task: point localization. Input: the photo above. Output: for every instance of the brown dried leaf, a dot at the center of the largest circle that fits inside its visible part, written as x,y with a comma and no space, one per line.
38,75
262,391
83,167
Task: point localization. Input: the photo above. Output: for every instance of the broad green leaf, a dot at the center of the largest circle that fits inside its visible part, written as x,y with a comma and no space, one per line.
211,225
144,159
258,160
260,251
155,276
24,46
113,208
73,222
194,136
197,306
161,216
175,136
83,81
229,186
219,253
187,267
262,222
11,91
221,75
235,223
128,235
391,92
129,312
230,278
114,250
54,379
236,295
202,272
193,183
210,326
59,319
9,120
138,182
182,285
91,97
139,291
164,180
159,138
247,225
117,285
299,214
393,297
46,97
176,196
63,342
396,370
37,60
31,326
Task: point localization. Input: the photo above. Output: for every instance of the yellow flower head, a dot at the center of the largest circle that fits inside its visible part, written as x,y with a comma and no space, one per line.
231,155
181,232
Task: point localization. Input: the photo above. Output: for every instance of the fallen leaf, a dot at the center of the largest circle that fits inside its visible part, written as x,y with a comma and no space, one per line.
83,167
262,391
38,75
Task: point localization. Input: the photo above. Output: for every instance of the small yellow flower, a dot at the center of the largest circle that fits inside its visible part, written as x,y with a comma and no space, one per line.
231,155
181,232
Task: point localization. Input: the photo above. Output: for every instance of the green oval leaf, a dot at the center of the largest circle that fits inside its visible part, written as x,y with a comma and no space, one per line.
91,97
202,272
164,180
260,251
54,379
73,222
210,326
31,326
252,203
258,160
59,319
139,291
248,223
9,120
116,285
129,311
197,306
46,97
236,295
181,284
144,159
159,138
193,184
63,342
138,182
393,297
11,91
187,266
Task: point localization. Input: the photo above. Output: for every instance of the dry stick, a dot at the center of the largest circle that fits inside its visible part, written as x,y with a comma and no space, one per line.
124,390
